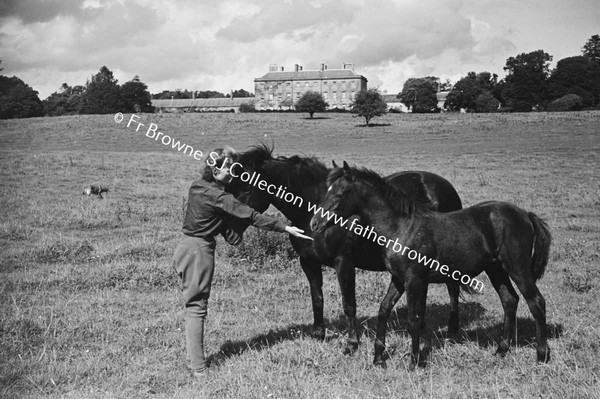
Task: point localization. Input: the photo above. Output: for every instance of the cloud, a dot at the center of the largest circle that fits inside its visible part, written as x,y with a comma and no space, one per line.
201,45
298,20
31,11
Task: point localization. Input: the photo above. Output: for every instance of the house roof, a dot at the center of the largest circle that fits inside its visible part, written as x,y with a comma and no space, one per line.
201,102
311,75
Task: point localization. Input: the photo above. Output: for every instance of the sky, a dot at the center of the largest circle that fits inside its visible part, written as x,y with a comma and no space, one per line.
223,45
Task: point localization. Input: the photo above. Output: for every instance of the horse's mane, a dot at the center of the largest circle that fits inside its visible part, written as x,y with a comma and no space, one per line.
398,201
296,170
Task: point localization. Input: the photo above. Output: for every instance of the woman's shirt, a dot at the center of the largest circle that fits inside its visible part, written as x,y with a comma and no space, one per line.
208,205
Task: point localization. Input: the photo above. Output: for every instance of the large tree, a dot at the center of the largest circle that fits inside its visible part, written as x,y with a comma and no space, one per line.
591,49
18,100
102,94
65,101
420,94
136,97
369,104
311,102
525,84
474,93
576,75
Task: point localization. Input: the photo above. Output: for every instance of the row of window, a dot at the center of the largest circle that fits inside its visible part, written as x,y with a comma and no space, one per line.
353,84
329,96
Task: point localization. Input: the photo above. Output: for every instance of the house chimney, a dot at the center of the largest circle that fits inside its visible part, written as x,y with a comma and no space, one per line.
281,69
296,66
322,67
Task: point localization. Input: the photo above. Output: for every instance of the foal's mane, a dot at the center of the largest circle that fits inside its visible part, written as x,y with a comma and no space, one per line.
296,170
397,200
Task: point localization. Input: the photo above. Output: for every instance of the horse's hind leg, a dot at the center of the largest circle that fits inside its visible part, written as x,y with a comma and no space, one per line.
416,299
347,279
510,302
453,292
394,293
537,306
314,274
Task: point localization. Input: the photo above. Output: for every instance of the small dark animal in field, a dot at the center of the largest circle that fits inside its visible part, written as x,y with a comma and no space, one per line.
96,190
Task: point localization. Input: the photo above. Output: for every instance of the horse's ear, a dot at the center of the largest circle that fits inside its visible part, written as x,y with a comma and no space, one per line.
346,166
335,165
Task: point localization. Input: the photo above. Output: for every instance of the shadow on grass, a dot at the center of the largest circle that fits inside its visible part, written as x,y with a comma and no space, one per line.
374,125
435,336
436,321
308,118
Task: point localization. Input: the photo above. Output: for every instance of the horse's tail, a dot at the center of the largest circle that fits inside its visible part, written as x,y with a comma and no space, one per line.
541,246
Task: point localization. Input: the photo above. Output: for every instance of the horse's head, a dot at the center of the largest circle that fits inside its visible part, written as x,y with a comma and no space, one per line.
249,162
343,198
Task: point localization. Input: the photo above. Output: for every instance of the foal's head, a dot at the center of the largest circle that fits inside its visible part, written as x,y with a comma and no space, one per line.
345,195
350,191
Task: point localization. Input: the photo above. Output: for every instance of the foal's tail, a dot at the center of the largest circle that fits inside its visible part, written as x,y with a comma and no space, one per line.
541,246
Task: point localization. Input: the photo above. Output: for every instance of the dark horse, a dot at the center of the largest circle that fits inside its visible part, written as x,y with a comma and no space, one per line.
499,238
306,177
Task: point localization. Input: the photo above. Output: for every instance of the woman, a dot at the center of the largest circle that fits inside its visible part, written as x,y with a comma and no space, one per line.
208,209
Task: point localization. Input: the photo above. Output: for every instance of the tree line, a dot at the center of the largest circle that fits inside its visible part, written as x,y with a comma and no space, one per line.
101,94
529,85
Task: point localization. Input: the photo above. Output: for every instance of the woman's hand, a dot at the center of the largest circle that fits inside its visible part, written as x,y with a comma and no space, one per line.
297,232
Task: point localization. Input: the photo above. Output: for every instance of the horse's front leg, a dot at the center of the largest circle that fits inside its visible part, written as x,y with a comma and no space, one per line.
416,298
345,270
453,292
394,293
314,274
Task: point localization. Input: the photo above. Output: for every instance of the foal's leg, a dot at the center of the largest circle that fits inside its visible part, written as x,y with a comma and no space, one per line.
453,292
537,306
510,301
314,274
344,268
395,291
416,298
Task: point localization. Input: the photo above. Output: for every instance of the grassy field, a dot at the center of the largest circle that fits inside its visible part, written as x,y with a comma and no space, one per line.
90,306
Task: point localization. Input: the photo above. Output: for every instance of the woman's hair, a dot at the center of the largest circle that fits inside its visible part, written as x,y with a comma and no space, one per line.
216,159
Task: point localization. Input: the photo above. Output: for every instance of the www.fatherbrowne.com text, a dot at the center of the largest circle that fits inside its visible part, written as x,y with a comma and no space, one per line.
365,232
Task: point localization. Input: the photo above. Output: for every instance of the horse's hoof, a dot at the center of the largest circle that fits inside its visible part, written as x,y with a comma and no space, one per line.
501,351
453,324
349,351
543,356
318,334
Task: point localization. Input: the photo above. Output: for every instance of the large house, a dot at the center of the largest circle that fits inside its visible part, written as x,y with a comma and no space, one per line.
280,89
